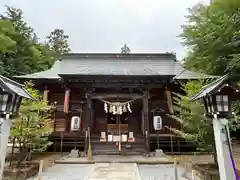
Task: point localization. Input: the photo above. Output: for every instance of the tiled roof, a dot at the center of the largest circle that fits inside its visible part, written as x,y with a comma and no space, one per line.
186,74
113,64
14,87
51,73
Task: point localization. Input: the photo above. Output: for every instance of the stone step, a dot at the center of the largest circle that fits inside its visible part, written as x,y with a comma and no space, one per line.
113,146
111,149
116,153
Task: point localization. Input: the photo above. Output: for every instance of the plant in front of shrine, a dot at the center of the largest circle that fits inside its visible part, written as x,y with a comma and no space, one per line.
31,128
195,127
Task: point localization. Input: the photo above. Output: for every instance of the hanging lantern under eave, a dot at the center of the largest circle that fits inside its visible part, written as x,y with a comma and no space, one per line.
157,123
75,123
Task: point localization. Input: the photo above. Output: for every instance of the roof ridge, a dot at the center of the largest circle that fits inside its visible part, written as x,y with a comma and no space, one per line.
118,55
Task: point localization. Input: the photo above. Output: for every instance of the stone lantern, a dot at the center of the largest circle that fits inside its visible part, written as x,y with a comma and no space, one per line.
217,97
9,103
11,94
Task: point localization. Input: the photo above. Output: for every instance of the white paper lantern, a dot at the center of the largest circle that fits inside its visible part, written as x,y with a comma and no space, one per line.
157,123
75,123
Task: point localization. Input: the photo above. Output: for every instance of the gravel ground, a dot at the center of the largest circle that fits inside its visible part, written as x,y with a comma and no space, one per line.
159,172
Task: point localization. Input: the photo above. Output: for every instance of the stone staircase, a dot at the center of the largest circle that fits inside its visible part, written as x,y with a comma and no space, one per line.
110,148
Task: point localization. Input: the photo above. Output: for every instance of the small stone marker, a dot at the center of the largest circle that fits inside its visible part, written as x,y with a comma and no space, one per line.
74,153
159,153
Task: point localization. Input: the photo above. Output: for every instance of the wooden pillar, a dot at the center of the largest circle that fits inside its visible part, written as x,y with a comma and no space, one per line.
146,120
178,144
89,113
88,119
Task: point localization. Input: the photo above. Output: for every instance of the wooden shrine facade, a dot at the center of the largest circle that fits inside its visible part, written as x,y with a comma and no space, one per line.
114,100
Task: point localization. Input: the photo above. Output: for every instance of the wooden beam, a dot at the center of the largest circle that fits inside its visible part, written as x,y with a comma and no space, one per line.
88,108
120,96
88,118
112,85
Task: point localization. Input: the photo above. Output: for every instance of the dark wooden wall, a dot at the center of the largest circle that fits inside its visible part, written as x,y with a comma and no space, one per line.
157,101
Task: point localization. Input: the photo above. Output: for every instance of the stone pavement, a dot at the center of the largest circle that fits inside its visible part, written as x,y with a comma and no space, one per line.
160,172
66,172
114,171
112,168
111,171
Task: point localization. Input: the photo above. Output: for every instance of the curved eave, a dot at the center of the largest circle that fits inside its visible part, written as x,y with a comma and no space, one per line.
40,75
13,87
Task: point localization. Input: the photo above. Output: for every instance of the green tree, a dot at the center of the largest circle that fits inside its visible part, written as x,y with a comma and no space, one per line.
211,35
27,55
6,29
7,43
125,49
33,125
58,42
195,127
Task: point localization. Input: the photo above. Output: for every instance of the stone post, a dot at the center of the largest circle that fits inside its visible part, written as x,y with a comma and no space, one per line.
5,125
225,163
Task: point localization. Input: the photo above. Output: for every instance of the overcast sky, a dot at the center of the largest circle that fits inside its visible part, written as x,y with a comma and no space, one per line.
105,25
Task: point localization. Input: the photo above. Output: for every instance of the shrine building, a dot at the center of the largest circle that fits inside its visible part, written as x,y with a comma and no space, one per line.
120,103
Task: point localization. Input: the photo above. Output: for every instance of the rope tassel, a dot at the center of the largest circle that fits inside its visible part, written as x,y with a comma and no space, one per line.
66,101
169,101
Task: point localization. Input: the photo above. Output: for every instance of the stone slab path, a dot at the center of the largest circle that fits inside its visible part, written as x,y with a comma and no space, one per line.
110,171
66,172
114,171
